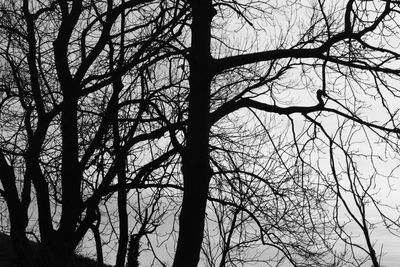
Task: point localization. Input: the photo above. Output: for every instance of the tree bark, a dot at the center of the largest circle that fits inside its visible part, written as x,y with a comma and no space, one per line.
195,160
18,214
133,253
99,248
122,195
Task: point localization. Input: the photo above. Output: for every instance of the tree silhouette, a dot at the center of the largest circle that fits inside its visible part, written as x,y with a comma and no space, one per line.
256,122
339,64
75,109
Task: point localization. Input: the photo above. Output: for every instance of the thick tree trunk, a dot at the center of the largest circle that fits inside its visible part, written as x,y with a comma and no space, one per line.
71,172
133,253
195,165
17,212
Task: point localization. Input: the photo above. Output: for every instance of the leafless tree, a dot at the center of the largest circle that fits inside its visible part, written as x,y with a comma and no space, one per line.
76,113
305,71
253,118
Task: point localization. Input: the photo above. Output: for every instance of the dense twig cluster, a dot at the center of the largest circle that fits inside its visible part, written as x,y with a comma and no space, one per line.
219,132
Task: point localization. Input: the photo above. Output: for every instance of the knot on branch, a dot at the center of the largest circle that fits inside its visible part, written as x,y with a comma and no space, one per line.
320,94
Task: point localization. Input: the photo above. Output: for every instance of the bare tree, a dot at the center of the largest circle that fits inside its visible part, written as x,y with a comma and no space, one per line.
75,109
324,56
262,105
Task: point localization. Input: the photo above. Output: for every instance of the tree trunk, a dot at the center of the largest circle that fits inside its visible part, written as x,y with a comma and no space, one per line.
195,163
99,248
17,212
133,253
122,195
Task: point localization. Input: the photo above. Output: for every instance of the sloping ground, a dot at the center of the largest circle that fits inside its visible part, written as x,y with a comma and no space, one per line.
8,258
7,255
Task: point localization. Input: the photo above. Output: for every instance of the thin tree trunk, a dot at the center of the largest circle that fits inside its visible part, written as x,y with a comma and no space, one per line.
99,248
122,195
120,157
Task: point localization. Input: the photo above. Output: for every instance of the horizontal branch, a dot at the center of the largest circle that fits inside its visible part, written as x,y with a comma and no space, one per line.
230,107
317,52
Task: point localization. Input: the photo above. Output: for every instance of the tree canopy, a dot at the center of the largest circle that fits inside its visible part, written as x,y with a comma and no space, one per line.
185,133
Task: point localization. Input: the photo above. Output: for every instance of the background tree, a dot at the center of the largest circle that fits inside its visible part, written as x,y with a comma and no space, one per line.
75,111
